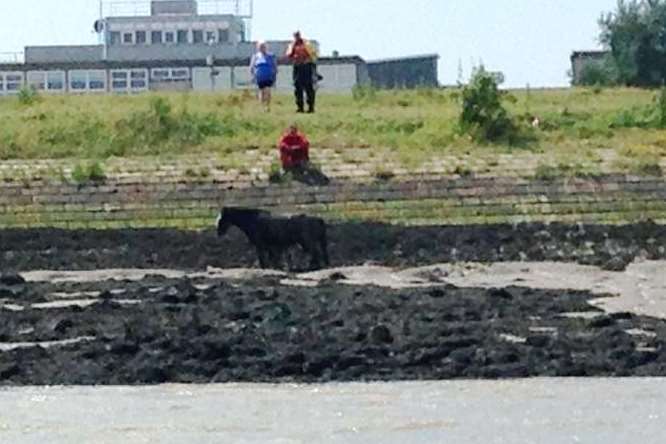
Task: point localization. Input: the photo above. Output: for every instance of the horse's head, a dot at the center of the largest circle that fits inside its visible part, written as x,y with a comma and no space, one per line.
223,223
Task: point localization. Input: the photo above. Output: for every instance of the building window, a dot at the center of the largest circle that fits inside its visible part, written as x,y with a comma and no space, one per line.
180,74
13,82
140,37
78,80
197,36
10,82
156,37
139,79
183,36
210,37
37,80
223,36
170,74
128,38
169,37
119,80
53,81
82,80
115,38
160,74
97,80
129,80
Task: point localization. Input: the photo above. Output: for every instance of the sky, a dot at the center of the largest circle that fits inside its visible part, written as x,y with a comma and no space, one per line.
530,41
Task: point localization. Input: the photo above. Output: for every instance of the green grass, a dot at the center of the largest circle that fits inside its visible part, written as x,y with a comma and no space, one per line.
93,172
410,126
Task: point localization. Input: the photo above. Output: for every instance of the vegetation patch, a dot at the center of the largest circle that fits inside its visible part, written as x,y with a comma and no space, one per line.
484,116
92,172
236,131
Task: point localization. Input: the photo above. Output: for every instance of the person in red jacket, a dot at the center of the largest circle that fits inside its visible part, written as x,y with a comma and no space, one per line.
294,150
295,156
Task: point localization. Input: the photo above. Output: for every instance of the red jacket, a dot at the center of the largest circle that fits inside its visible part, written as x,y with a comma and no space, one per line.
299,52
294,149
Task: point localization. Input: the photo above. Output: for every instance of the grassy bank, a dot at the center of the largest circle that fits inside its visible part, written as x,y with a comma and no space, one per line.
575,124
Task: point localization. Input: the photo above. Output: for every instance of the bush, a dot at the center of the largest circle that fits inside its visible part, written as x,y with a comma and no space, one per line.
275,174
635,117
649,116
93,172
483,115
28,96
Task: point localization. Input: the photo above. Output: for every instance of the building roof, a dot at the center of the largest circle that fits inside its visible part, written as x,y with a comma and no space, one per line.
403,59
589,53
66,66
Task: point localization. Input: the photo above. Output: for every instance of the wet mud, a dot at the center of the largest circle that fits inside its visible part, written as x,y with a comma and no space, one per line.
202,330
199,331
611,247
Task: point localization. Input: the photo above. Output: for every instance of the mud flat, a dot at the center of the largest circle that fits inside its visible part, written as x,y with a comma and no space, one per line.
612,247
202,329
145,307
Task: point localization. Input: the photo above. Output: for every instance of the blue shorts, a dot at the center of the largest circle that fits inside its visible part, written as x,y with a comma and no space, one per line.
265,84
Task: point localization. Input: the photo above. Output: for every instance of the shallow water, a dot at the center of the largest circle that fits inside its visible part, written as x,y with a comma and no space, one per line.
544,411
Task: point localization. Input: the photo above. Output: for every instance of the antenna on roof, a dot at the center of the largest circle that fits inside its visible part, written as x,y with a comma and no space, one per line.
100,29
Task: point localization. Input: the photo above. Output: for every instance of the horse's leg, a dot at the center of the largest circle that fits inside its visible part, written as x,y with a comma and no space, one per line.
323,246
288,259
276,257
310,248
317,246
263,258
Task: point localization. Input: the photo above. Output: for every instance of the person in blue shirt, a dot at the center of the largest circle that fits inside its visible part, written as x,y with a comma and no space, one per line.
263,68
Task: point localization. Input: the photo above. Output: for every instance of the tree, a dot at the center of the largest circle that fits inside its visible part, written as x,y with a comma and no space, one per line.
635,34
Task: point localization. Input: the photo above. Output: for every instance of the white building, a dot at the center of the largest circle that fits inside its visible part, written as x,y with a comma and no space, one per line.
187,45
173,47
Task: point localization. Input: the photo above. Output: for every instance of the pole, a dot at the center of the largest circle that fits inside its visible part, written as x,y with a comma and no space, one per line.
105,49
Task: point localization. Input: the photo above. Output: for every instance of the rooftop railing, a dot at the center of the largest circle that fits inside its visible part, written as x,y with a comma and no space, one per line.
12,57
133,8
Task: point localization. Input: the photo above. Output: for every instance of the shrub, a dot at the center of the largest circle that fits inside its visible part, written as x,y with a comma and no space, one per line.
275,174
635,117
546,172
93,172
28,96
483,115
650,116
649,168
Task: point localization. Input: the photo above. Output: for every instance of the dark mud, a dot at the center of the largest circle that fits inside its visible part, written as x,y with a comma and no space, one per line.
219,331
350,244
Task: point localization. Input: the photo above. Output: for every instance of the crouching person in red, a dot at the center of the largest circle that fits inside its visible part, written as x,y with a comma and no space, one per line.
294,150
295,157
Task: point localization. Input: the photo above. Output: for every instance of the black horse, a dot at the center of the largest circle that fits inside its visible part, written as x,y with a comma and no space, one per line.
273,235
